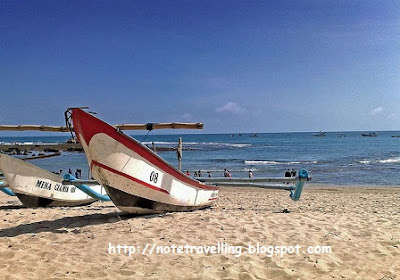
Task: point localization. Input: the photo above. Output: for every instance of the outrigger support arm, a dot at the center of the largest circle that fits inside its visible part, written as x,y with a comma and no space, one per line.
69,128
266,183
26,127
147,126
303,177
152,126
6,190
80,184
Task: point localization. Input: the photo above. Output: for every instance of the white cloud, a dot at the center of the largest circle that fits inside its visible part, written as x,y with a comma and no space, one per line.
231,107
187,117
377,111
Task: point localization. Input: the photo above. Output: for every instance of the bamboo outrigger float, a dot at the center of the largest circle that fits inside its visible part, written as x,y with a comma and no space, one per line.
36,187
293,184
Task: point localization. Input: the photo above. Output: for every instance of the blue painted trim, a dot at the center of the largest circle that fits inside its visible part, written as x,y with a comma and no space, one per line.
303,176
92,193
86,189
7,191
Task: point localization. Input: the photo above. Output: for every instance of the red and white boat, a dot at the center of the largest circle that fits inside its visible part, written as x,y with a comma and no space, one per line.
136,179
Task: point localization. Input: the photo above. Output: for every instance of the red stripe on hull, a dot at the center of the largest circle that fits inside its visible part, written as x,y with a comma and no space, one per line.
127,176
87,126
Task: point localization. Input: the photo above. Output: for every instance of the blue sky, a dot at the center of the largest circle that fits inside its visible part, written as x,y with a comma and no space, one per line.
237,66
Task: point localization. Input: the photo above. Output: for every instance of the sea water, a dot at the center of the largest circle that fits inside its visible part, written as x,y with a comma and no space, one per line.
345,158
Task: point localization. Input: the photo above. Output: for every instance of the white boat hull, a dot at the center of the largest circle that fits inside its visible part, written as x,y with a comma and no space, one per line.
36,187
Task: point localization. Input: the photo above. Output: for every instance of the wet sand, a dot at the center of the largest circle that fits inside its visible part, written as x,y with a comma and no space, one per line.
360,225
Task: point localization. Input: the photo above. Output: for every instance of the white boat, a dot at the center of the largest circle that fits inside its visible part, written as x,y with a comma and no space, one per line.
36,187
136,179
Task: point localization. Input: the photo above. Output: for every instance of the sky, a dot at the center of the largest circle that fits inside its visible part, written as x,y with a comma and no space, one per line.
236,66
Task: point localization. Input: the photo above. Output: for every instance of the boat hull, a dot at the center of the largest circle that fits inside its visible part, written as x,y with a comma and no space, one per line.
36,187
136,179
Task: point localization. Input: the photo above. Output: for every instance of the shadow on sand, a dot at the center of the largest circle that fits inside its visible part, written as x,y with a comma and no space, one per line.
12,207
76,222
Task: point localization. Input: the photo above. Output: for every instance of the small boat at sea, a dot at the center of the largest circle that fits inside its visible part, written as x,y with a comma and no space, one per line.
136,179
36,187
369,134
320,134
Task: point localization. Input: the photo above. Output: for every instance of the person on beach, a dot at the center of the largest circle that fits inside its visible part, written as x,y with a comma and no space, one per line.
199,174
293,173
250,174
78,174
195,174
69,171
288,173
59,172
187,172
209,174
227,173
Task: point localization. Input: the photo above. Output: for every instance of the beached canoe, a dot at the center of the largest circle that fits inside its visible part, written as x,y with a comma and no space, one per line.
36,187
136,179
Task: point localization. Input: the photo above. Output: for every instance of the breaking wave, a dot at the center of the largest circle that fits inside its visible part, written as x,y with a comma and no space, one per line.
273,162
382,161
210,144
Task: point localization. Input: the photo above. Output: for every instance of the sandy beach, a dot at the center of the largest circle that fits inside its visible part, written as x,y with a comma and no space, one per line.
355,232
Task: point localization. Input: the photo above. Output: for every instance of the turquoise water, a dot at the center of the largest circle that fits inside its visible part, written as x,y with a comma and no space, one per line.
338,158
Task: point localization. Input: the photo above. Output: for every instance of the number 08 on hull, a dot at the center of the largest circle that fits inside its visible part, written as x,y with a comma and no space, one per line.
136,179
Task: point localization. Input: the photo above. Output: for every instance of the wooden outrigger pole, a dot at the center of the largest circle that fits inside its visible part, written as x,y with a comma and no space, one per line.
69,128
148,126
49,128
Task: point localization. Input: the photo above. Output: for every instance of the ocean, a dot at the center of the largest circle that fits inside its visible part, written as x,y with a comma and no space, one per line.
345,158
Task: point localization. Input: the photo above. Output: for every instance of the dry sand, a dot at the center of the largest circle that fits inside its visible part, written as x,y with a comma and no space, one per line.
361,225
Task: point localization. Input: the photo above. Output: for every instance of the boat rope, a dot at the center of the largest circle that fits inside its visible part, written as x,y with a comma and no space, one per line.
144,138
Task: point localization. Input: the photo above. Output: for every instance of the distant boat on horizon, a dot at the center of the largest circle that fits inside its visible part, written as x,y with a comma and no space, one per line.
320,134
369,134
